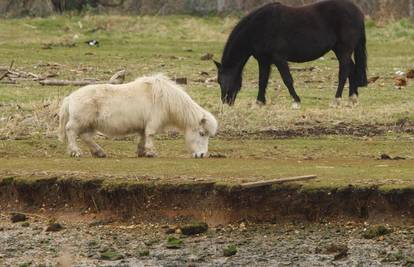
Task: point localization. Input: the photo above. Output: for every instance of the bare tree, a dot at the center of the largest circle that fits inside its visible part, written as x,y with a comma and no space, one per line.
411,8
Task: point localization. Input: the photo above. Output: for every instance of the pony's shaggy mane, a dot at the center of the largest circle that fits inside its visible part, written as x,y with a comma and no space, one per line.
175,100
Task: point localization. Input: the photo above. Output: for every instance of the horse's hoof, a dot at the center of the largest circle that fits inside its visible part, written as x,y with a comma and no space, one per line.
296,105
353,100
336,103
260,103
99,154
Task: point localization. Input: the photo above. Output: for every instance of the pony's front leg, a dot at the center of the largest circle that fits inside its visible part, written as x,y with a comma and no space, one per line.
141,146
95,149
264,72
146,146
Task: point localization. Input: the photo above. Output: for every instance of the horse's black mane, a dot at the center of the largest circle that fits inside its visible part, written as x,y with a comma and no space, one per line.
243,25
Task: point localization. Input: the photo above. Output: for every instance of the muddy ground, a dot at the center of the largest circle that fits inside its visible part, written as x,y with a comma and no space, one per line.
103,243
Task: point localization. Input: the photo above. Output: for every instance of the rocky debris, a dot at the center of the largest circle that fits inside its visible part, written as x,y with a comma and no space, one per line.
54,227
181,80
373,79
340,251
18,217
400,82
194,228
410,74
217,155
207,56
297,244
388,157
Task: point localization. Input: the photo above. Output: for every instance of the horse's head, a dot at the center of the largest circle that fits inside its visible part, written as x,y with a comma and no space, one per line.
230,83
197,137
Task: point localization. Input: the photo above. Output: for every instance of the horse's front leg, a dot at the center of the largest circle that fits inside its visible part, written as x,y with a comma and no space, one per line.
284,70
264,72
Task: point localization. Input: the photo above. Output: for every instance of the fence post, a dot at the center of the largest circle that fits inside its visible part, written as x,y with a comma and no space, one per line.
411,8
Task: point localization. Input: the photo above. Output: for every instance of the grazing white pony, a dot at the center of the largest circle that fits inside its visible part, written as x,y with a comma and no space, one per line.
146,106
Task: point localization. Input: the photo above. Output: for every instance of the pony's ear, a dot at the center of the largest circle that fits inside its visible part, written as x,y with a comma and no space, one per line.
218,64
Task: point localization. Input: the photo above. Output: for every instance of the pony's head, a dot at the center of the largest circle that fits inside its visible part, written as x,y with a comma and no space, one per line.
197,137
230,83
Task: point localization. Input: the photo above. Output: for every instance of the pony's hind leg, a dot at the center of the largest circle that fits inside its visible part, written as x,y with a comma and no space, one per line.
95,149
72,132
284,70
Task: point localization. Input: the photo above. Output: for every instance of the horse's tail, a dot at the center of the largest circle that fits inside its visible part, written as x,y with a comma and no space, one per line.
361,59
63,119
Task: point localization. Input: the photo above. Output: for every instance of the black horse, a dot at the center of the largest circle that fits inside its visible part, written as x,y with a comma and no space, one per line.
278,34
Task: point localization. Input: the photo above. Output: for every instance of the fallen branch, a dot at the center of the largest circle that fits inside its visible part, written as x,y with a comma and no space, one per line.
8,71
277,181
117,78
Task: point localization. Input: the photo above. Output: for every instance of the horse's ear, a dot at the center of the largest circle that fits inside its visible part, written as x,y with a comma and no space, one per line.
218,64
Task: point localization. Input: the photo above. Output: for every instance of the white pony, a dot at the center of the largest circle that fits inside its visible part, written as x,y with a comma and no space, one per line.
145,106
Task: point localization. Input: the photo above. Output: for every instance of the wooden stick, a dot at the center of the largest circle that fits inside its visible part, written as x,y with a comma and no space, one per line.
277,181
117,78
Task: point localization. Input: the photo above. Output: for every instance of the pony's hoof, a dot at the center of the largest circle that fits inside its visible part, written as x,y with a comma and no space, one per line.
296,105
150,154
260,103
335,103
99,154
75,153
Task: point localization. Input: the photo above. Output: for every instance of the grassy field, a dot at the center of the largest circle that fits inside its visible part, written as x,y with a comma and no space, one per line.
174,45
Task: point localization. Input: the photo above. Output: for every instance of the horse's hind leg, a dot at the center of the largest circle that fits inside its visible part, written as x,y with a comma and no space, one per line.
284,70
95,149
345,61
264,72
353,86
72,132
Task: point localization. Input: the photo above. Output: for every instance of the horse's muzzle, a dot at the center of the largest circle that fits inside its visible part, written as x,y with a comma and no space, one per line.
228,99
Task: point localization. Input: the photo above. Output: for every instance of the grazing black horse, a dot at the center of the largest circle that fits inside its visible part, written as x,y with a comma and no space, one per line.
278,34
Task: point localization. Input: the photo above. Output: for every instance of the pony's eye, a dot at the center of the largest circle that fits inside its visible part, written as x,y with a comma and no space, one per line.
202,134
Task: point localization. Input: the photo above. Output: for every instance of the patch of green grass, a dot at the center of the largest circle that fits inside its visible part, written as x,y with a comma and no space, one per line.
111,255
376,231
174,243
229,251
338,162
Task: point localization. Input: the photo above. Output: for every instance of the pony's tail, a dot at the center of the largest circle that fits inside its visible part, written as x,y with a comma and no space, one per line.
63,119
361,60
